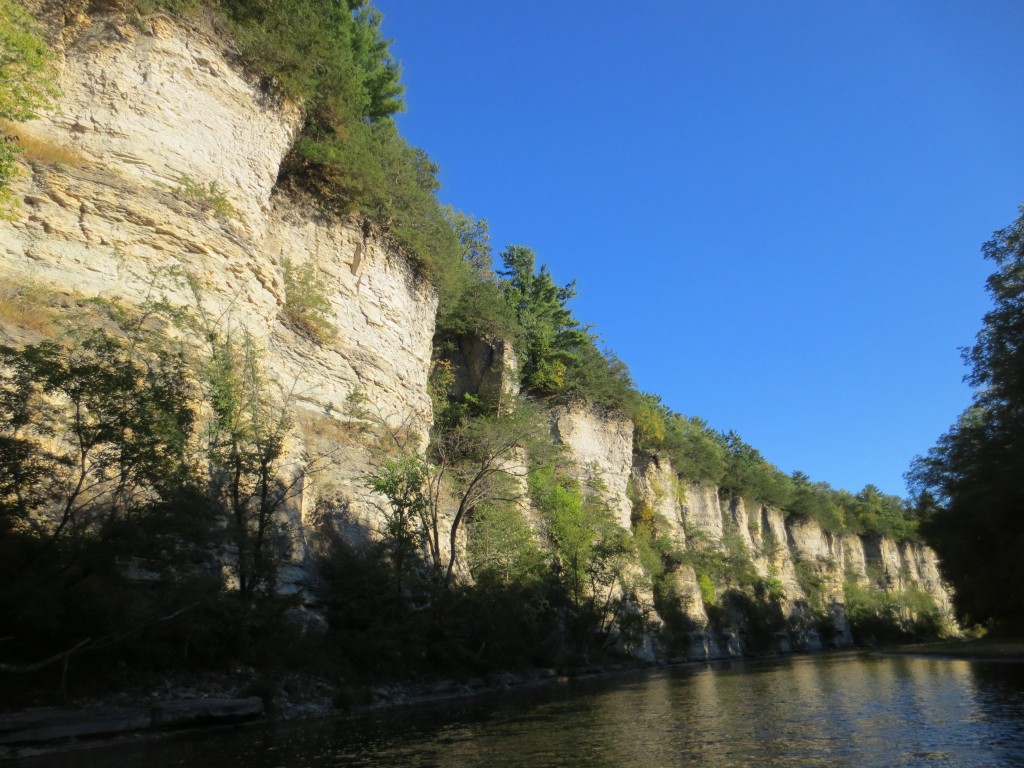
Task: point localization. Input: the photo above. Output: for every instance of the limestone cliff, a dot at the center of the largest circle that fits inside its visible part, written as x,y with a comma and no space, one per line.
602,446
175,160
807,571
176,157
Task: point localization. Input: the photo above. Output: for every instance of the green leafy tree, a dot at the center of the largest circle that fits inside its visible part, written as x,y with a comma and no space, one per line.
593,554
697,451
97,476
503,548
329,53
601,378
816,501
648,416
480,460
89,432
878,514
246,438
974,472
748,474
474,241
470,301
402,482
475,459
379,71
27,83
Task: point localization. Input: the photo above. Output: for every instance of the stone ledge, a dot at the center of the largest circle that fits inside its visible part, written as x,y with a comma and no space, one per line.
39,726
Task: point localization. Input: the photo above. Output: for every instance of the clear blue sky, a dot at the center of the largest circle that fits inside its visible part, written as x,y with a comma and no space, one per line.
773,209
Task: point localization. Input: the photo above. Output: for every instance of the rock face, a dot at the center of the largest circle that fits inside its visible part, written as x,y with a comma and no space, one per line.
601,446
805,568
488,370
143,110
764,534
161,103
657,486
702,511
929,578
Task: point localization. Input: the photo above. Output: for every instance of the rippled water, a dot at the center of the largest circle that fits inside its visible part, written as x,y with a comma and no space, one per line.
847,710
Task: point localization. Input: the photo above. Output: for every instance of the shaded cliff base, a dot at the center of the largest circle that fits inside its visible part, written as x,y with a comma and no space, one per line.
296,671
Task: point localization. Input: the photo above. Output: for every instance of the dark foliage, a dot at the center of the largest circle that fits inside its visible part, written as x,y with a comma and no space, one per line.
969,484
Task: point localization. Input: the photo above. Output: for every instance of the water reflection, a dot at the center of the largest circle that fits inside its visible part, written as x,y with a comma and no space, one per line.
809,711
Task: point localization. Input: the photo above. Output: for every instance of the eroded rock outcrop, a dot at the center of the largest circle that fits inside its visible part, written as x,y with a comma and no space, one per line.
658,489
702,511
804,569
601,445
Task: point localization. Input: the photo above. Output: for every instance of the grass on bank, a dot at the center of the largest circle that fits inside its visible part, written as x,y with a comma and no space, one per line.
986,648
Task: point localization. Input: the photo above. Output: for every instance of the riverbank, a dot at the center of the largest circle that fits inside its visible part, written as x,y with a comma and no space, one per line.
181,704
968,649
895,711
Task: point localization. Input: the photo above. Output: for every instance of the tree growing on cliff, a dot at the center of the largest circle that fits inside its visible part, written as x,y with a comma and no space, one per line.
593,554
975,470
474,459
27,83
551,336
96,476
330,54
246,436
90,432
748,474
470,298
559,355
402,482
483,460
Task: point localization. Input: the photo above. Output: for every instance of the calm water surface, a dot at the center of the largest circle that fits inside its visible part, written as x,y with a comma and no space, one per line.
846,710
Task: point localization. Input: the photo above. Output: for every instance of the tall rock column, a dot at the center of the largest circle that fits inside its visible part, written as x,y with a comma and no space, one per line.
601,446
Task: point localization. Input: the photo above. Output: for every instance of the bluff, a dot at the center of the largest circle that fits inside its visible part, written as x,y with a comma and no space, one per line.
156,179
157,123
735,549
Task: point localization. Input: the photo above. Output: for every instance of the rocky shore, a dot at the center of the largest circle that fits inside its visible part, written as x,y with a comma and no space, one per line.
174,706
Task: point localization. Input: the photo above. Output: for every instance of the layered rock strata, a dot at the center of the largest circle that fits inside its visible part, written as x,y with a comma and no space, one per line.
172,196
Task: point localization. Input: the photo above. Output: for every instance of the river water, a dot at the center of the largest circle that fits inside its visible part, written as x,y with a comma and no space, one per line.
826,710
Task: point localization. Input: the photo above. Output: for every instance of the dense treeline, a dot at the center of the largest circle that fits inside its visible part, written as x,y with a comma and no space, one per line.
969,485
701,454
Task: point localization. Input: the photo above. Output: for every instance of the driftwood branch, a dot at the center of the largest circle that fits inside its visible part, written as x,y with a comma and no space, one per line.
101,643
22,668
